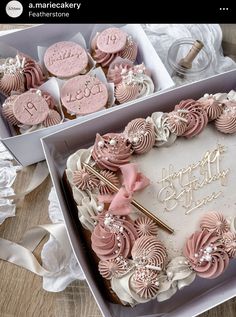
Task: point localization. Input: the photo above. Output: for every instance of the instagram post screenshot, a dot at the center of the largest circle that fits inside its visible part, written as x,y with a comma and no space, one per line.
117,159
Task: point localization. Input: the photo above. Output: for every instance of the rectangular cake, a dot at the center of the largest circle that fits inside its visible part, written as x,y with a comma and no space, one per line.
179,166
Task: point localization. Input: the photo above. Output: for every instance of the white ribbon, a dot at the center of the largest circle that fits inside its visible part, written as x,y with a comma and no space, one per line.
22,254
59,266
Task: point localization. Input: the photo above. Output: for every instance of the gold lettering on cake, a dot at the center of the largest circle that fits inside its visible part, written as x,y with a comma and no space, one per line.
182,186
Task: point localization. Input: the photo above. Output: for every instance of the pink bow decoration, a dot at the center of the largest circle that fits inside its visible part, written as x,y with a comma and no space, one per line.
120,203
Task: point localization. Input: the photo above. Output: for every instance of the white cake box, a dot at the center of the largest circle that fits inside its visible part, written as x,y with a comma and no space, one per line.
202,294
28,40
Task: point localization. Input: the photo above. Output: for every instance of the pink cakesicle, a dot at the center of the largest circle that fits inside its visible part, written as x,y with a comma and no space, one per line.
30,108
84,94
111,40
65,59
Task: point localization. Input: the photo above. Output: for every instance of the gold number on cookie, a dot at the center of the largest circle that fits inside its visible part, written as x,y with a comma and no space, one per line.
29,107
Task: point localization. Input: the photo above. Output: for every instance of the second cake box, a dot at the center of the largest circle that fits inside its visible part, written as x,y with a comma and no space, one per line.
26,148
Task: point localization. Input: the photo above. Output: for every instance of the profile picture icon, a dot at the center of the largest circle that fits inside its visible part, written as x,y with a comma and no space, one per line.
14,9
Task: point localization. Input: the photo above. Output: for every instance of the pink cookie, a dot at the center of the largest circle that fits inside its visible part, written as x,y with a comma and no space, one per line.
65,59
111,40
84,94
30,108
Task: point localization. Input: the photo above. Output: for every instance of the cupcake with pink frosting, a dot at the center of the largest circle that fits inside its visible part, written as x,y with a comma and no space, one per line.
111,43
83,94
19,74
31,110
133,83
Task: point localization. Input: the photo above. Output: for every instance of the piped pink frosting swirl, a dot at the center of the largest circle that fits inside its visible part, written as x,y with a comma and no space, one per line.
177,122
196,116
113,268
12,82
206,254
112,177
214,222
144,282
84,180
113,237
213,107
130,50
145,226
103,58
226,122
53,118
116,71
229,239
148,250
111,151
7,110
141,134
33,73
126,92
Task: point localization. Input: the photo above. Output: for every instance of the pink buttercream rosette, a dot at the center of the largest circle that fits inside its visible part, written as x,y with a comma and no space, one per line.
214,222
111,150
113,236
206,254
196,117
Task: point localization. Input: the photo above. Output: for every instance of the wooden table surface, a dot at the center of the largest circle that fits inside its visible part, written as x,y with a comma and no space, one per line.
21,292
